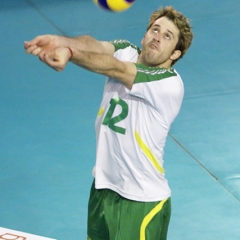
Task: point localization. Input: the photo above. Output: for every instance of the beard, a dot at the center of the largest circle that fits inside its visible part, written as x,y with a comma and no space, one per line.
151,58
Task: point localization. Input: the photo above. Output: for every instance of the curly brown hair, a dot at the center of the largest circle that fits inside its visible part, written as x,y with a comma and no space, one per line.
182,23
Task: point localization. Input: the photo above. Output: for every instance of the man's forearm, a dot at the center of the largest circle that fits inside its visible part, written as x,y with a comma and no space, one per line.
85,43
105,64
96,62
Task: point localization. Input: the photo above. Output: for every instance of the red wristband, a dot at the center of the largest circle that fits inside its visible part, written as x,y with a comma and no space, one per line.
70,52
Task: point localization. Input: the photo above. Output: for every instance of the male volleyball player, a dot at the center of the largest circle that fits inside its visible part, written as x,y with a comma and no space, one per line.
130,197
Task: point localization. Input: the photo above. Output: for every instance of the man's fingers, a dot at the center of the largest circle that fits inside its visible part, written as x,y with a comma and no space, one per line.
37,44
39,40
30,49
26,45
37,51
41,55
52,62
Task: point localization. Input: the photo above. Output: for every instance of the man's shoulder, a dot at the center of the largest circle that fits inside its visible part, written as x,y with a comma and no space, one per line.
122,44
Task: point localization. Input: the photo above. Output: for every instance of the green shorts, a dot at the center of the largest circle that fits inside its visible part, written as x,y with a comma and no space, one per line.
112,217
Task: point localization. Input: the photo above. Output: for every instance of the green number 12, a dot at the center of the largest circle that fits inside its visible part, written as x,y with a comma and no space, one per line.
111,121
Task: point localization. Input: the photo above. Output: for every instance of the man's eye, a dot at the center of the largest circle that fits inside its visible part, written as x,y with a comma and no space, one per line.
167,36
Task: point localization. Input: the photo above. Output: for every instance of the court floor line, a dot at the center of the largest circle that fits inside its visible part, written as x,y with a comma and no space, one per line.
200,164
211,94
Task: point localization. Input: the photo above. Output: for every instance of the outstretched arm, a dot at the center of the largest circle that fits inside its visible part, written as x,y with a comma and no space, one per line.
101,63
47,43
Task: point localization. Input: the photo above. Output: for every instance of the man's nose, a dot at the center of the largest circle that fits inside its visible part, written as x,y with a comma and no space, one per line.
157,36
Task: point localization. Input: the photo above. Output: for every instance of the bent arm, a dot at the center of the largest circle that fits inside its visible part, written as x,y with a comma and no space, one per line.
101,63
107,65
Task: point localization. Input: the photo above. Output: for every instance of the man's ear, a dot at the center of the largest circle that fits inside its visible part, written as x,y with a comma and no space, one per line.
176,54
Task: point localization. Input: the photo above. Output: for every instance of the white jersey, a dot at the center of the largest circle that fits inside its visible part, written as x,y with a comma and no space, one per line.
132,127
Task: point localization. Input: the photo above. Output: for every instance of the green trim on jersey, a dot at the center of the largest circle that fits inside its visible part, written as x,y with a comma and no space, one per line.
121,44
148,74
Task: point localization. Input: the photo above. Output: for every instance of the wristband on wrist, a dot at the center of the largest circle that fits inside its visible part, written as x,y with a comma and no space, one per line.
70,52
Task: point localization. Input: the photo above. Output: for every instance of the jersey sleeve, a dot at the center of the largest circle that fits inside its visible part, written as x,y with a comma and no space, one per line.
160,88
125,50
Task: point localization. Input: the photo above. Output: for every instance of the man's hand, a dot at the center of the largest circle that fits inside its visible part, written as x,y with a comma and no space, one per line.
56,59
42,44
